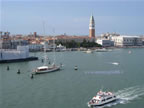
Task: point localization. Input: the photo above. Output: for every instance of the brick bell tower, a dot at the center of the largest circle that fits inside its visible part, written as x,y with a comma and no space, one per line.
92,27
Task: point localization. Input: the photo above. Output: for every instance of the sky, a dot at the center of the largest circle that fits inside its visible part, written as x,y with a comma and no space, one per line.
72,16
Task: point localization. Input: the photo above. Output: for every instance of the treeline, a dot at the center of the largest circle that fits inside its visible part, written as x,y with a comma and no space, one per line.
73,44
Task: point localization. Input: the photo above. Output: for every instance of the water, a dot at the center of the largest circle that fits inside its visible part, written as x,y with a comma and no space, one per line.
116,71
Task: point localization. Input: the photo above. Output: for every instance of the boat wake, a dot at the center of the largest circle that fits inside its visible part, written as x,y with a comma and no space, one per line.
126,96
131,93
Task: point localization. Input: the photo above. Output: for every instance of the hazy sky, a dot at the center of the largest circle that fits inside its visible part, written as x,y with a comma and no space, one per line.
72,16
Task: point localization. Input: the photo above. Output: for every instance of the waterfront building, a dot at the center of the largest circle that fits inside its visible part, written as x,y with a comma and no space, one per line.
35,47
105,42
9,42
5,42
48,46
12,44
109,35
92,27
127,40
35,34
21,52
18,42
16,55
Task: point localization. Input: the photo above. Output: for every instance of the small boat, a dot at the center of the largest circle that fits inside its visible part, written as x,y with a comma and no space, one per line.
102,98
115,63
101,50
18,72
47,69
129,52
89,51
76,68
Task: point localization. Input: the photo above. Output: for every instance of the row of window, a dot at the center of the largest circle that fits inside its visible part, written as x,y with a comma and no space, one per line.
126,40
106,99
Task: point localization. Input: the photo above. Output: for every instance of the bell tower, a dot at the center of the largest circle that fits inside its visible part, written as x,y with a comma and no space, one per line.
92,27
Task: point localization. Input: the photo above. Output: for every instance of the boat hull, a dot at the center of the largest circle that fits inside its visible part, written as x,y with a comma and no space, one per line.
94,105
48,71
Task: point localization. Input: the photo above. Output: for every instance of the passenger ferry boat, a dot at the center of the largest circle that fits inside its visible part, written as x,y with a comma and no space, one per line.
101,99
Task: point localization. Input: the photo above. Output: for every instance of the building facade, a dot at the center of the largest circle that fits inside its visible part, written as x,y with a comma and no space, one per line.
5,42
22,52
19,42
35,47
127,41
105,42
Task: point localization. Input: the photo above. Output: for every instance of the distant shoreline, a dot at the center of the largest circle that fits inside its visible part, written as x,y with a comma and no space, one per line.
125,47
94,48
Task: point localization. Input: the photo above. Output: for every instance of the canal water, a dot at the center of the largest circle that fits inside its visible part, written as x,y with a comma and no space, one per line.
118,71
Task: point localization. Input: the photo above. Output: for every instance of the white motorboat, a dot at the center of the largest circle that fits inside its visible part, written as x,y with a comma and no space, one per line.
102,98
47,69
75,68
101,50
89,51
115,63
129,52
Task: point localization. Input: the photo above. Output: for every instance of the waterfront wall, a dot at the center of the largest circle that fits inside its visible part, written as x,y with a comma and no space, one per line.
22,52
